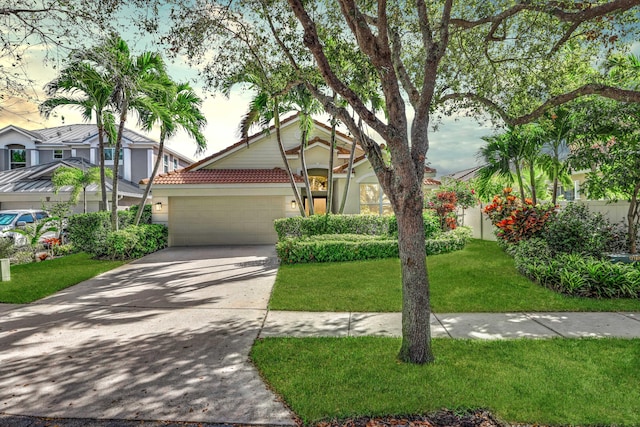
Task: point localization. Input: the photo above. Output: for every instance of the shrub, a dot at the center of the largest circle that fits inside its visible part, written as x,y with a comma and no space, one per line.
352,247
7,247
517,220
88,232
133,242
346,224
62,250
577,230
576,274
444,205
22,255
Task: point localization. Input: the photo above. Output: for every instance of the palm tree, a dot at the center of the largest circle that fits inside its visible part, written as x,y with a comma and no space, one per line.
510,153
264,107
83,86
184,112
137,81
78,179
557,131
307,105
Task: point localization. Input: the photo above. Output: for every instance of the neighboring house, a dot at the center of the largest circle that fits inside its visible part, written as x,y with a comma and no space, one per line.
233,196
21,148
31,188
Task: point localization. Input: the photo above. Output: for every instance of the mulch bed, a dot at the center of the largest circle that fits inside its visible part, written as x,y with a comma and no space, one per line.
444,418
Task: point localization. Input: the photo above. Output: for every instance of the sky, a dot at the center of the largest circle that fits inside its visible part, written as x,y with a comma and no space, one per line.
452,148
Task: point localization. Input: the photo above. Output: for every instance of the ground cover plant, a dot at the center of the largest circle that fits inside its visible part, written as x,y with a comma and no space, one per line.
30,282
479,278
541,382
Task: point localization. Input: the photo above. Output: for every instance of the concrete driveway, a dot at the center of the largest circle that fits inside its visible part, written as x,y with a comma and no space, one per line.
166,337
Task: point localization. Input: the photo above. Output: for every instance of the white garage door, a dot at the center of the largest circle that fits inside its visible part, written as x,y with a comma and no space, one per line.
228,220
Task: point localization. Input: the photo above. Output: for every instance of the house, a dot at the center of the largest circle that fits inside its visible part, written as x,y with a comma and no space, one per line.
26,149
234,195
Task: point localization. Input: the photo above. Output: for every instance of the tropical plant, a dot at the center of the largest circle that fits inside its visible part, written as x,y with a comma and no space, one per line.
516,219
183,106
34,232
558,128
271,86
83,86
78,180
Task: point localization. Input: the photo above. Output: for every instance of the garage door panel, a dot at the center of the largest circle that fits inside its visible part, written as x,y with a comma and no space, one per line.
224,220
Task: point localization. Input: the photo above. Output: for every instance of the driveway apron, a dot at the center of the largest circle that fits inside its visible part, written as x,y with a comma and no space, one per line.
166,337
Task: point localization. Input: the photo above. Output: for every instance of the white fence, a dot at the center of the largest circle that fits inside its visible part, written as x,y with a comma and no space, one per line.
483,229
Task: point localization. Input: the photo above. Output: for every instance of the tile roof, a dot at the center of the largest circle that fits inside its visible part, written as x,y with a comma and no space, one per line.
224,176
431,181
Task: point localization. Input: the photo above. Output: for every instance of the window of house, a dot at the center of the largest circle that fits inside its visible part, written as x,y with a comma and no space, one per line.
175,164
373,201
18,158
165,163
318,183
57,154
109,154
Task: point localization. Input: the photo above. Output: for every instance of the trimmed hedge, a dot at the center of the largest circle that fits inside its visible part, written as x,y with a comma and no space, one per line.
352,247
576,274
375,225
133,242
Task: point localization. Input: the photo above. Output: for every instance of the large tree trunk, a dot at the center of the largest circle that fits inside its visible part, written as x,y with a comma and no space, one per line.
416,309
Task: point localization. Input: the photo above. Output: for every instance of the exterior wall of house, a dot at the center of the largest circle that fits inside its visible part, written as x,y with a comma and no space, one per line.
139,166
261,155
86,153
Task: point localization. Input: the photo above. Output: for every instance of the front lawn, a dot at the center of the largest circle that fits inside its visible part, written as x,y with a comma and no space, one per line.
549,382
30,282
480,278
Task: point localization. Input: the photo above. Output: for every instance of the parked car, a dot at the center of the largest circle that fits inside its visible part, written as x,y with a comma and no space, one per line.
12,219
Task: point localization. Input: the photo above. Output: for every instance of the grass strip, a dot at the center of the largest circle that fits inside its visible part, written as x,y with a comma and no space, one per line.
480,278
550,382
30,282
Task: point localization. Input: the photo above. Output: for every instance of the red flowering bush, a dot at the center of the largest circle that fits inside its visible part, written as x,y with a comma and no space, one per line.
516,220
444,204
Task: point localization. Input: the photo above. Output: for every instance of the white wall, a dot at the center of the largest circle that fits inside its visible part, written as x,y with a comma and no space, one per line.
483,229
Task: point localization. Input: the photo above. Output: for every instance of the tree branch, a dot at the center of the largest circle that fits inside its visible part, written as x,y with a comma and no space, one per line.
621,95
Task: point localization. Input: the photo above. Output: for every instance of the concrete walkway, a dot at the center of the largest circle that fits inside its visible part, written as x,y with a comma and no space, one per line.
166,337
458,325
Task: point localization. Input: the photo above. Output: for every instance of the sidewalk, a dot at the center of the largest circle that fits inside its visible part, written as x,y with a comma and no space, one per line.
457,325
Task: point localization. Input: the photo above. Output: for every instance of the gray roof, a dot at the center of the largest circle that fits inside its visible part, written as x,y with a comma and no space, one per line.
37,179
465,175
69,134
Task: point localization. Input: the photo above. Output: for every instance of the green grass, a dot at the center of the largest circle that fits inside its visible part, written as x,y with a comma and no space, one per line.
557,381
30,282
480,278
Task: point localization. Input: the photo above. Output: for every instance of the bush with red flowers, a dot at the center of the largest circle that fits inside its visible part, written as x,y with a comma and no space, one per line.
444,205
517,220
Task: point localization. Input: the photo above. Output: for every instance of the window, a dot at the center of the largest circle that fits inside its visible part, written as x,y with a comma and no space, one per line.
109,154
165,163
28,218
318,183
18,158
57,154
175,164
373,201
